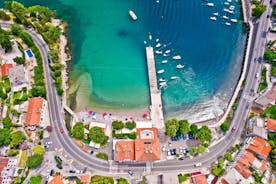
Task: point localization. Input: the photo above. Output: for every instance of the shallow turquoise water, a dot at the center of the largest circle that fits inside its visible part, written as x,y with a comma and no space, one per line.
109,46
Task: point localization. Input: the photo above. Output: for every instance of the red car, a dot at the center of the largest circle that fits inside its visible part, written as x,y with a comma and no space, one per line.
233,129
61,130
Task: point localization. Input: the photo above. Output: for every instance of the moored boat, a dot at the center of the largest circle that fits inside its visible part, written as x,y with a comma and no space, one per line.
158,51
132,15
177,57
213,18
233,20
173,77
162,80
210,4
164,61
167,51
179,66
227,23
158,45
216,14
160,71
225,17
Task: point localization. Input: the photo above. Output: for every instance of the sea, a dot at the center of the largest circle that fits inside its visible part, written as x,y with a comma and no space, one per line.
108,68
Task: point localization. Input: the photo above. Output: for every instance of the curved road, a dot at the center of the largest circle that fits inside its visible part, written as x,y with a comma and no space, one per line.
92,163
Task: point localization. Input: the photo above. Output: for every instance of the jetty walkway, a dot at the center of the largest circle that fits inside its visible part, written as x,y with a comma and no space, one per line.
156,112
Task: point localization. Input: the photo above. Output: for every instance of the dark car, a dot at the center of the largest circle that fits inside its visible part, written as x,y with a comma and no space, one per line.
181,158
233,129
72,171
84,170
91,152
46,182
130,172
52,172
59,166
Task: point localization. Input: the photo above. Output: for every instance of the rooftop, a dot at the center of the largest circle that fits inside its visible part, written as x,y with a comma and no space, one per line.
85,179
243,170
124,150
17,75
272,93
5,69
3,163
271,124
56,180
34,111
260,147
199,179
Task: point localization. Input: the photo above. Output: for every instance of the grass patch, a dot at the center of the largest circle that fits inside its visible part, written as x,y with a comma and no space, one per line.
263,83
103,156
183,177
23,159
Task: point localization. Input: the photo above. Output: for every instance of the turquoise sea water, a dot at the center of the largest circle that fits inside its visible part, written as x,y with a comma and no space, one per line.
110,47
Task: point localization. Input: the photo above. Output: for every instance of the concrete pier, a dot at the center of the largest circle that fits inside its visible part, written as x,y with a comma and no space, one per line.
156,112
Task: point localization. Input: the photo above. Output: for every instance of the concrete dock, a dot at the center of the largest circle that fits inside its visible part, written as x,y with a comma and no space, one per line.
156,112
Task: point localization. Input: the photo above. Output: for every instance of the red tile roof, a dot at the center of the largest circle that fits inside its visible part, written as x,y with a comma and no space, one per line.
247,159
124,150
3,163
85,179
263,167
271,124
243,170
272,93
5,69
147,145
33,114
199,179
260,147
56,180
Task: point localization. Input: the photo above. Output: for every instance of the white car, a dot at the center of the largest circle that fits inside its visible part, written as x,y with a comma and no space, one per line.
198,164
169,153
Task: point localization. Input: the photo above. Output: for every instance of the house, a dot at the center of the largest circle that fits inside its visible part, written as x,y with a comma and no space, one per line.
145,148
56,180
7,169
147,145
256,127
85,179
18,78
233,176
5,69
271,124
124,151
36,114
199,179
266,100
260,147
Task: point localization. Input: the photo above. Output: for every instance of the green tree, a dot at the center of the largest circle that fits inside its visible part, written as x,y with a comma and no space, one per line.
103,156
34,161
17,138
5,41
259,8
224,127
172,127
122,181
204,134
97,135
78,130
269,55
38,150
5,137
7,122
132,135
13,152
193,129
4,16
35,179
228,156
193,150
19,60
130,125
201,149
117,125
184,126
270,112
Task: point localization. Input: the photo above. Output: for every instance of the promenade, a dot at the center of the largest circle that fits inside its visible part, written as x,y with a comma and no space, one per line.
156,112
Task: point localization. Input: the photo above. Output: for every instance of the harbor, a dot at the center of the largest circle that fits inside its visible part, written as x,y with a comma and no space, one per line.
156,108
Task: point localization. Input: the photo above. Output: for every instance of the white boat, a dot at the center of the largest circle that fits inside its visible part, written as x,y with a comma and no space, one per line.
232,7
210,4
165,55
132,14
167,51
179,66
160,71
158,45
213,18
158,51
177,57
231,12
162,80
229,1
233,20
163,85
145,42
173,77
157,1
157,40
164,61
227,23
216,14
225,17
226,3
225,9
150,37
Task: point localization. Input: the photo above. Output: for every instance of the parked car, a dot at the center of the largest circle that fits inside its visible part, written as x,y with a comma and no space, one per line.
169,153
61,130
72,171
59,166
52,172
181,158
198,164
233,129
91,152
130,172
46,182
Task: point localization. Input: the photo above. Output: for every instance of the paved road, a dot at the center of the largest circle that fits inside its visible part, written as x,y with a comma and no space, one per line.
85,160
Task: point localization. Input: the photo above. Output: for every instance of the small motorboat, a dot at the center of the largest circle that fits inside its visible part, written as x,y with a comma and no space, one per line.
162,80
160,71
163,85
227,23
213,18
157,40
225,17
132,15
158,52
225,9
177,57
158,45
231,12
167,51
173,77
233,20
210,4
164,61
179,66
165,55
229,1
150,37
226,3
232,7
145,42
216,14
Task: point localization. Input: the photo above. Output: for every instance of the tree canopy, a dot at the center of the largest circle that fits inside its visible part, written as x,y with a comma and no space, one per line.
38,149
270,112
172,127
78,130
259,8
17,138
204,134
193,129
5,137
34,161
5,42
184,126
98,136
117,125
224,127
130,125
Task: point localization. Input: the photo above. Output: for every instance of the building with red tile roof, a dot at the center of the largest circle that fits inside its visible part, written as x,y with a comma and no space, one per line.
243,170
124,151
271,124
147,145
5,69
272,93
56,180
7,169
85,179
3,163
36,113
247,159
260,147
199,179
